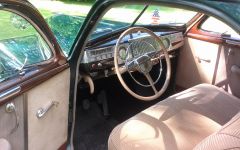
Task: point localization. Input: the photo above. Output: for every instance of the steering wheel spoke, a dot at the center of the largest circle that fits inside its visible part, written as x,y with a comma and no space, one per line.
150,80
144,54
131,65
152,54
122,69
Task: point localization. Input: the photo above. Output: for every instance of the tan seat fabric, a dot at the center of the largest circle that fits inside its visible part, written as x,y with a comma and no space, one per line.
228,137
4,144
179,122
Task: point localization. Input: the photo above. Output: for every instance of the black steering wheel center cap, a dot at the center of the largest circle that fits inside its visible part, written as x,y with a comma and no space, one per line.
144,64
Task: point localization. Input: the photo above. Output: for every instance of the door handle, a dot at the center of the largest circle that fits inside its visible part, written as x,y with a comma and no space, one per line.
10,107
203,59
41,112
235,69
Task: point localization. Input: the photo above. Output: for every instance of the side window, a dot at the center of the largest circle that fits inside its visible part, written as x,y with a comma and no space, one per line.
21,46
214,25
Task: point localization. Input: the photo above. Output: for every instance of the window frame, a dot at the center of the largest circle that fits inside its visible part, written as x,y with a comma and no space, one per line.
217,33
39,31
43,71
38,72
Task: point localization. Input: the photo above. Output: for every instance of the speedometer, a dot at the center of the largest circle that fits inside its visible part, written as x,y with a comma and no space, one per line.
166,43
123,53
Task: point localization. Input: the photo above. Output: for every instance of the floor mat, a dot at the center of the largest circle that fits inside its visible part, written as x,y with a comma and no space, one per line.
92,129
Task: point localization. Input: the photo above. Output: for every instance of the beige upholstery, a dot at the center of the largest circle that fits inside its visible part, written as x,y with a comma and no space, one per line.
226,138
4,145
222,69
16,138
50,131
179,122
198,72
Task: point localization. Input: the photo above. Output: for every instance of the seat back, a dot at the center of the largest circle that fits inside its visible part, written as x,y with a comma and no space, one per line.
228,137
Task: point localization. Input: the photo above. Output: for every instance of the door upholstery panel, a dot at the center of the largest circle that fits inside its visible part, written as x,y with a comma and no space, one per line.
8,123
223,70
221,49
50,131
233,70
200,62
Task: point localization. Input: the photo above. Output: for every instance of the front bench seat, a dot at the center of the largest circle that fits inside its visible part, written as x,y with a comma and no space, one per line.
179,122
4,144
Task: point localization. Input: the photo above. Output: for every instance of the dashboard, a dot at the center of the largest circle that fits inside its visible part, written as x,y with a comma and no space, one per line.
100,58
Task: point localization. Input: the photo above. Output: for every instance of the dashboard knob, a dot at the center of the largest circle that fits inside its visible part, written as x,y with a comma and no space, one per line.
94,66
99,64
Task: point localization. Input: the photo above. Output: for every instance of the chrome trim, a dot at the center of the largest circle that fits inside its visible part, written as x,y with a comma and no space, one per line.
9,93
199,59
233,42
11,108
138,38
41,112
88,58
175,46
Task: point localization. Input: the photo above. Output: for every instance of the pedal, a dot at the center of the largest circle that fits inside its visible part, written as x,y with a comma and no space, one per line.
86,104
102,100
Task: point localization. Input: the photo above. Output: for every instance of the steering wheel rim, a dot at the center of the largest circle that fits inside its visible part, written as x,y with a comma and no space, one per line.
168,63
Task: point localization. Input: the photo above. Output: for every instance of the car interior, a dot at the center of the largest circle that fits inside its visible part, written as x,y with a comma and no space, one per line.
198,107
151,85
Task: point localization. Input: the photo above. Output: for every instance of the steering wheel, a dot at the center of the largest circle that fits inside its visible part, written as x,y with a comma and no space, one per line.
140,56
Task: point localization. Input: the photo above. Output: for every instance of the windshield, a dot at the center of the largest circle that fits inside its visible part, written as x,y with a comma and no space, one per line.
66,18
117,18
157,15
123,16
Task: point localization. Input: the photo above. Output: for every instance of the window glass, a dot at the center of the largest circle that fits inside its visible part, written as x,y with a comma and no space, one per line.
124,16
214,25
155,15
20,45
117,18
65,18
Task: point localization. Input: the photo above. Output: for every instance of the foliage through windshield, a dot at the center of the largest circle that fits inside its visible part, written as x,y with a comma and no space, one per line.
66,18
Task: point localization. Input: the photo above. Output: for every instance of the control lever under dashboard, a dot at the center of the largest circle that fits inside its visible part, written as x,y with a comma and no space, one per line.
89,80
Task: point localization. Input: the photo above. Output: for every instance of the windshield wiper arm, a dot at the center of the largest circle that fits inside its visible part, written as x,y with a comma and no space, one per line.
144,9
103,30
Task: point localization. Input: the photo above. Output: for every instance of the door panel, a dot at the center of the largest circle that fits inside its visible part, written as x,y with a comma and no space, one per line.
50,131
31,59
233,68
198,63
8,123
210,57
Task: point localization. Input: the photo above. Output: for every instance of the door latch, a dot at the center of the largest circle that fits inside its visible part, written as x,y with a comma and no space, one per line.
10,108
199,59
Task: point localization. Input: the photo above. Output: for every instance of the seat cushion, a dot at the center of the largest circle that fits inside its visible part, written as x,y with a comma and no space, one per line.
4,144
228,137
179,122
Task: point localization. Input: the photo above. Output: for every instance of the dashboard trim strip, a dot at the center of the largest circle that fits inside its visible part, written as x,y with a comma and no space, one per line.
108,54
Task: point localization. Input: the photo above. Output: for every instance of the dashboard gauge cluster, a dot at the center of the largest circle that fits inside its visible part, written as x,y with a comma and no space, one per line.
166,43
100,54
102,58
122,52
